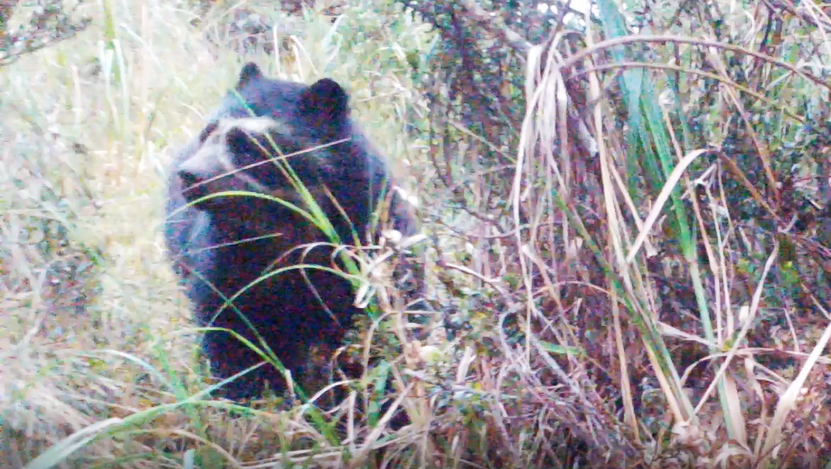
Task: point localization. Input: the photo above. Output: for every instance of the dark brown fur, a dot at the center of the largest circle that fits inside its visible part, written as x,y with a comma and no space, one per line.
209,238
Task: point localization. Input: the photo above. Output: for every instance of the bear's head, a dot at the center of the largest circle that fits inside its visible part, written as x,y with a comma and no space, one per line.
263,128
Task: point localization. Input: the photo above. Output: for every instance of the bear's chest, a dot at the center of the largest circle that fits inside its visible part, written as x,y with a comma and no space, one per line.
279,254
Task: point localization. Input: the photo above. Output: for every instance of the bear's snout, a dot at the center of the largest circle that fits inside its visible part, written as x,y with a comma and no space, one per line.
196,185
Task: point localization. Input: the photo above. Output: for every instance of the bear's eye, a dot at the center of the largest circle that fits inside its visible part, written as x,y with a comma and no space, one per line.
254,155
207,131
246,148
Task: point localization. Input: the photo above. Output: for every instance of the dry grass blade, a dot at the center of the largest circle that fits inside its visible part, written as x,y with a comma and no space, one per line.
662,198
55,455
748,321
668,211
787,401
686,40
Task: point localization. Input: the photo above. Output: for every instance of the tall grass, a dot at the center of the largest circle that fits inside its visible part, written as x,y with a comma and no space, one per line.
99,341
576,340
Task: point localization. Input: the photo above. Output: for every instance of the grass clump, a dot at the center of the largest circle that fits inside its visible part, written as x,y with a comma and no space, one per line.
643,293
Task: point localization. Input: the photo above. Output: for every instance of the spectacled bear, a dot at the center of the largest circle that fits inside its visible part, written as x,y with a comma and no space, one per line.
224,242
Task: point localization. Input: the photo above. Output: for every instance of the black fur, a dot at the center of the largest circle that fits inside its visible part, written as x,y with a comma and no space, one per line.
284,309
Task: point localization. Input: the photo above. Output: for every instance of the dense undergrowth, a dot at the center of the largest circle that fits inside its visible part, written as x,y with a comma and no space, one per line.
639,278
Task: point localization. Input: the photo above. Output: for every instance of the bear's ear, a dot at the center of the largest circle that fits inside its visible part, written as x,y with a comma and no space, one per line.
250,71
326,102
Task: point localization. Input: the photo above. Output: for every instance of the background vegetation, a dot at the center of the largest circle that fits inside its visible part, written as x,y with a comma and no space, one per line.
627,210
